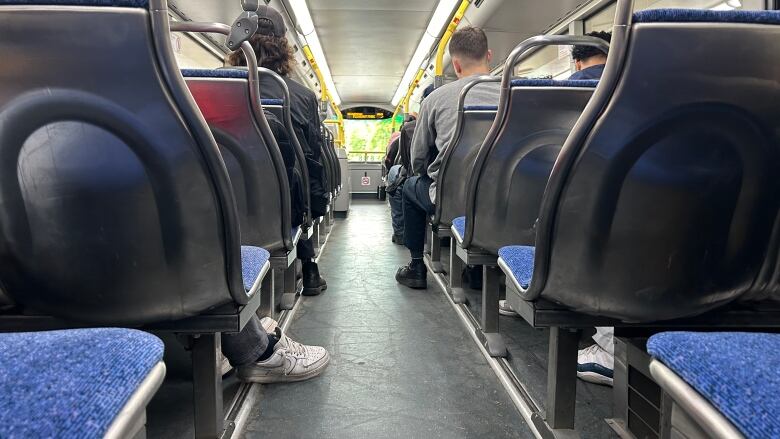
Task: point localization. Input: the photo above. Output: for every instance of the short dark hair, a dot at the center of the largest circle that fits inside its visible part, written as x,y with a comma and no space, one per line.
581,53
470,43
273,53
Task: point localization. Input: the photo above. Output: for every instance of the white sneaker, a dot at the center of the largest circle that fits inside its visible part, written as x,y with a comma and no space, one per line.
504,309
224,365
291,361
269,324
595,365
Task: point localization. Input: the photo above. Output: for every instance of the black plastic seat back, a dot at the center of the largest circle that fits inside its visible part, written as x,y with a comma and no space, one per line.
115,206
507,185
332,160
664,199
256,167
472,127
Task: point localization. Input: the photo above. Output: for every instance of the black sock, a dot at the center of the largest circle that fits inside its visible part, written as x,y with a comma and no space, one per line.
270,349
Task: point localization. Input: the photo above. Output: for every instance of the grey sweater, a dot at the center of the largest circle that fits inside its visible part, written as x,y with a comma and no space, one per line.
438,121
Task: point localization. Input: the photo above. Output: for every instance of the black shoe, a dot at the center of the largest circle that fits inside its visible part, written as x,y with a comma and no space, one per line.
398,239
414,275
313,283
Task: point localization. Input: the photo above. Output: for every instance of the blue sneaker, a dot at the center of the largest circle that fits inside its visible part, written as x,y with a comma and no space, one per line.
595,365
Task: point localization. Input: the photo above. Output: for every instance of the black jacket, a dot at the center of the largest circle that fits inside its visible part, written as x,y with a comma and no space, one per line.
304,111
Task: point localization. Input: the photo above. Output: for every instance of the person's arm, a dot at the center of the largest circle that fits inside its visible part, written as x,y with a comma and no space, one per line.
424,138
314,135
392,152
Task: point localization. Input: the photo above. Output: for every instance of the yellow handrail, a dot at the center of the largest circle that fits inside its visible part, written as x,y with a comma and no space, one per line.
445,39
326,97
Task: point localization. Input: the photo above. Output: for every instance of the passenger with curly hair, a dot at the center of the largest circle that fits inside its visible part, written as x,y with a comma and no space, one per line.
589,60
274,53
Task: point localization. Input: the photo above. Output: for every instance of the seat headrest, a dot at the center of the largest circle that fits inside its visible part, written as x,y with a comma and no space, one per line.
586,83
706,16
215,73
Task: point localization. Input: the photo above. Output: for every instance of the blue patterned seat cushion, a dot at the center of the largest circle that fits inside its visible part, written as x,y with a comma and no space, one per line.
116,3
584,83
253,259
738,373
215,73
272,102
459,227
520,260
706,16
69,384
480,108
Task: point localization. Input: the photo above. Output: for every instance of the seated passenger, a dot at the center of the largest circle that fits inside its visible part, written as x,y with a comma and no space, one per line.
435,130
391,152
400,171
273,52
590,61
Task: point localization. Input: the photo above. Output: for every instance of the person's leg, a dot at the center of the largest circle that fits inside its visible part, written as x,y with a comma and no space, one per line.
248,345
595,364
264,357
417,207
313,283
397,215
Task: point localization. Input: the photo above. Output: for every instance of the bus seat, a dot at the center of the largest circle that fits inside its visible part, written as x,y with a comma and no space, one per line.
255,164
517,262
89,383
254,261
724,385
505,189
116,207
459,228
664,198
473,124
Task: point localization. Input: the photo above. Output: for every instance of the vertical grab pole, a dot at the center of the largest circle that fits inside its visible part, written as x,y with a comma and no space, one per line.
445,40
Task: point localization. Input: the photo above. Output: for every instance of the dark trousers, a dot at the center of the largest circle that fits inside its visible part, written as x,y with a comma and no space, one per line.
247,346
397,210
305,250
417,208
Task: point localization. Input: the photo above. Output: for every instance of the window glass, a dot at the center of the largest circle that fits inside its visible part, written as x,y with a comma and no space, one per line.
547,62
367,139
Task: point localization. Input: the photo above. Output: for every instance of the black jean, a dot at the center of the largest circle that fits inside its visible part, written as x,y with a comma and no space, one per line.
305,250
417,208
247,346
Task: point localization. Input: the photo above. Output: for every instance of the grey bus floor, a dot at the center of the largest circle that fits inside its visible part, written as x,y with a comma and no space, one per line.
402,364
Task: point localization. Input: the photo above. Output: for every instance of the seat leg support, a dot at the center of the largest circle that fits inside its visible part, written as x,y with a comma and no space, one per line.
436,264
489,334
290,288
268,299
455,287
562,378
207,386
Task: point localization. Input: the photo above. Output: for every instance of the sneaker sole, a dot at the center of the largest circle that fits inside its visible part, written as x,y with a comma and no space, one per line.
507,313
415,284
312,291
595,378
273,379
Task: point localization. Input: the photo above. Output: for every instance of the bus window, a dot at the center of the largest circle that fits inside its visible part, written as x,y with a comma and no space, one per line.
367,131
